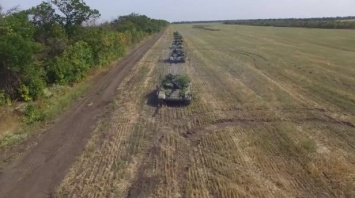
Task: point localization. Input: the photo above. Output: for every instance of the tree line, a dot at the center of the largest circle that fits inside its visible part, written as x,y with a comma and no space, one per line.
325,23
57,42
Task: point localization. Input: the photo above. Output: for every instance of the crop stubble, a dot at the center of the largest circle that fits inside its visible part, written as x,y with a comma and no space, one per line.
254,128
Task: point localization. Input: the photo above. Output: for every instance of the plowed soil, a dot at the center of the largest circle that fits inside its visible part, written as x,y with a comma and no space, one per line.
42,168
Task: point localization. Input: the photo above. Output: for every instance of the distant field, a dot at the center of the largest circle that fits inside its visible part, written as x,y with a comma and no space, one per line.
273,115
348,20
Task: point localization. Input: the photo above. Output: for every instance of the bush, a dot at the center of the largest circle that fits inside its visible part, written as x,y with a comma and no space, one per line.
25,93
33,83
36,85
40,46
32,114
80,56
9,139
72,66
17,52
183,80
105,45
4,100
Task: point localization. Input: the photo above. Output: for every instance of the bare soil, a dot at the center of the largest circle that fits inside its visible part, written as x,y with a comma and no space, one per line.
41,169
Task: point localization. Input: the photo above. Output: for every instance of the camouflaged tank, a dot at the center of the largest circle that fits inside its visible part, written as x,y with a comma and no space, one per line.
178,37
177,56
177,45
176,34
174,88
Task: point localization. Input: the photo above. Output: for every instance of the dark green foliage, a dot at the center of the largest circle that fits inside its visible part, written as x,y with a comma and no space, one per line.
34,80
181,81
73,14
17,23
106,45
48,30
72,66
138,25
36,85
325,23
57,43
16,43
43,15
2,97
15,52
32,114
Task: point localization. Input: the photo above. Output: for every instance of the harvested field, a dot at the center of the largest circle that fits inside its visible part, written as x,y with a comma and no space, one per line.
273,115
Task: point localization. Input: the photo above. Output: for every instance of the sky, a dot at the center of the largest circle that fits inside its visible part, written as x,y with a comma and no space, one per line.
195,10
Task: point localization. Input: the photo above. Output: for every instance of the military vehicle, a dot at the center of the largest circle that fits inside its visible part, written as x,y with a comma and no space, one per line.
178,37
174,58
177,46
174,88
177,56
177,43
177,34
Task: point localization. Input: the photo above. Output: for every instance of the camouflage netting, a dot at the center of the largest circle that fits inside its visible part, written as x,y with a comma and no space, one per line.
179,81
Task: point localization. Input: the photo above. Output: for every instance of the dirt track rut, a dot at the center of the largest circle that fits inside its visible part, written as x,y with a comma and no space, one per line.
40,170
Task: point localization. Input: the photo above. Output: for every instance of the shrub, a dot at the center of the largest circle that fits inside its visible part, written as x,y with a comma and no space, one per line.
25,93
2,98
32,114
33,82
72,66
9,139
183,80
80,56
105,45
36,85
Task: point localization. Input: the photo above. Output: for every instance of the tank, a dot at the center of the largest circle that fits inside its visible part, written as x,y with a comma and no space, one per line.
177,34
177,44
177,56
178,37
177,47
174,88
177,59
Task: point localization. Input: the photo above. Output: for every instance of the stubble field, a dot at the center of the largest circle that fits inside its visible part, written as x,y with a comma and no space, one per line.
273,115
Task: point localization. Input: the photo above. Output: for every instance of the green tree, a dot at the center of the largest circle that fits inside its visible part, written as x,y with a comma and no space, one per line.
43,15
48,30
17,54
52,43
16,43
74,14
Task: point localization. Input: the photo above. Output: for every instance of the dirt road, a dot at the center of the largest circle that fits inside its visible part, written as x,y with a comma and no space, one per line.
41,169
